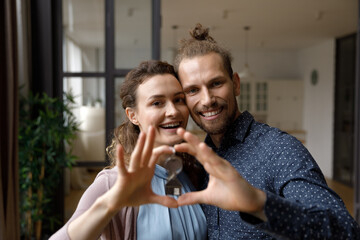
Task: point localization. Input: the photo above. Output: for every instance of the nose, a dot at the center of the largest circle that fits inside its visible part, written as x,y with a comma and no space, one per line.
171,110
207,99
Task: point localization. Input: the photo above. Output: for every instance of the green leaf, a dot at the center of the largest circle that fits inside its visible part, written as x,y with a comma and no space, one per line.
45,124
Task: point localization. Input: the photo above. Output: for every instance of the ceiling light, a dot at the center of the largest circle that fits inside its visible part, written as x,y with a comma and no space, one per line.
246,73
319,15
225,14
130,12
174,27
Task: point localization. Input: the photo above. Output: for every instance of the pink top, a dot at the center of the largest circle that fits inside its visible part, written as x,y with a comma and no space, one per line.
117,228
186,222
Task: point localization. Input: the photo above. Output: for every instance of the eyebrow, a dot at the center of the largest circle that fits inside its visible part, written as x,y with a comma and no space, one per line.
212,80
162,96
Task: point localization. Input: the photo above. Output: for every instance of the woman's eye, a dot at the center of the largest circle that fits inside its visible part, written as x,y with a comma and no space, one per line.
156,103
180,100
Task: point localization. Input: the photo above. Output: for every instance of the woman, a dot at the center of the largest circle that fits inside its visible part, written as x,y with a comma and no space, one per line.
155,107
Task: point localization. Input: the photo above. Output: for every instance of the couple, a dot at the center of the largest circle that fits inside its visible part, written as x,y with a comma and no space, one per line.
262,183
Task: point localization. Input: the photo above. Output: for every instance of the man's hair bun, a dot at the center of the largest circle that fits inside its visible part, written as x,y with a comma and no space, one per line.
201,34
201,43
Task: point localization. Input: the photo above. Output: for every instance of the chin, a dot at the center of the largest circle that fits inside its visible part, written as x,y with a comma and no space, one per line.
215,128
171,141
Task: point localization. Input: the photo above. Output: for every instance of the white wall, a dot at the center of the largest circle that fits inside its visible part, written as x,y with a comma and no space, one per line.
269,64
319,102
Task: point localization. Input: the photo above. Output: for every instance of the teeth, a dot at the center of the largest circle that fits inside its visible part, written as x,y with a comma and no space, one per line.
209,114
170,125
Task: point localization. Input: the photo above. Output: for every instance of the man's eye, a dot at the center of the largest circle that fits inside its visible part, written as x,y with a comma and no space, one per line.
192,91
216,84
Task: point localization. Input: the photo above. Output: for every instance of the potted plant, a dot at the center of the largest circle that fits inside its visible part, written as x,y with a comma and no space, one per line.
46,125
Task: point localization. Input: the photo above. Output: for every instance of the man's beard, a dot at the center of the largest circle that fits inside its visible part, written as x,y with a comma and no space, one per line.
212,129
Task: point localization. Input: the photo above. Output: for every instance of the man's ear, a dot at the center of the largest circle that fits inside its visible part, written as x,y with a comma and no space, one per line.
236,82
131,114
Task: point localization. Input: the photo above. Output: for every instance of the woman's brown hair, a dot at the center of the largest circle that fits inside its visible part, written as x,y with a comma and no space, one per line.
127,133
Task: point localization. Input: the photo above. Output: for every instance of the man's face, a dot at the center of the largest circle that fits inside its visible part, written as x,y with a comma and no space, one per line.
210,92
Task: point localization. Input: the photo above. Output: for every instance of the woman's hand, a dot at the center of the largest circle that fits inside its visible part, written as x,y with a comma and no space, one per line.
132,188
226,189
133,185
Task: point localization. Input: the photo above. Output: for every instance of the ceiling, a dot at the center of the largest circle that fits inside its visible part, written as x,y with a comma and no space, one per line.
275,24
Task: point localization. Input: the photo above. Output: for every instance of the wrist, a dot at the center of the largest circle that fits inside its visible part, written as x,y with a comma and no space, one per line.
259,211
106,205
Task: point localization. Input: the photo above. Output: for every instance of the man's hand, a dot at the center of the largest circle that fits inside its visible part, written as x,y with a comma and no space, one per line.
226,189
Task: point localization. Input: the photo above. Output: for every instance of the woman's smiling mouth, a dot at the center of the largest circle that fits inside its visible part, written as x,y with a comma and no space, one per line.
172,125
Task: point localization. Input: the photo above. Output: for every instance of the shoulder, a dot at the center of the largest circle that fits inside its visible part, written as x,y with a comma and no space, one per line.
102,183
104,180
274,137
107,177
279,146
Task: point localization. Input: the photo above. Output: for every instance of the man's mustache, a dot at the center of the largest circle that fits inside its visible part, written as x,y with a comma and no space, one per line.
214,105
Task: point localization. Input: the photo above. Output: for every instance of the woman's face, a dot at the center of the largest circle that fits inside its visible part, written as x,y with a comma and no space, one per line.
160,103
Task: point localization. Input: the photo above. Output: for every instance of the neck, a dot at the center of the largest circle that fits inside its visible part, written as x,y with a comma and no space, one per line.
216,139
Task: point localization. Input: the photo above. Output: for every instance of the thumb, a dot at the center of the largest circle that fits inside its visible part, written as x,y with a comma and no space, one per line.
164,200
191,198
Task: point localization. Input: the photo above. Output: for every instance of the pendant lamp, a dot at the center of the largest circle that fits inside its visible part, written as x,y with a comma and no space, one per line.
246,73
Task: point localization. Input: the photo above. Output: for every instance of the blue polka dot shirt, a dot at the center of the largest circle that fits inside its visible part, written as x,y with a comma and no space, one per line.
299,204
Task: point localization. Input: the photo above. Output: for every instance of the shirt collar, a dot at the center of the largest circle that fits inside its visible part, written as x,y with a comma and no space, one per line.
237,130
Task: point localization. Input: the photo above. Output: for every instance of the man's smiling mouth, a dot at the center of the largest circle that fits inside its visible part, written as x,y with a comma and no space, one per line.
211,113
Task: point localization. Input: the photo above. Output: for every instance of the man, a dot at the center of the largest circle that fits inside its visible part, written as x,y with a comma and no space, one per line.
269,185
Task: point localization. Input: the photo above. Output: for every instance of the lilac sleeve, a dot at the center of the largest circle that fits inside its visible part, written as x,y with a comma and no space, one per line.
102,183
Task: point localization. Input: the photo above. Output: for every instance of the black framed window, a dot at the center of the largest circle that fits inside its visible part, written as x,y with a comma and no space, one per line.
99,41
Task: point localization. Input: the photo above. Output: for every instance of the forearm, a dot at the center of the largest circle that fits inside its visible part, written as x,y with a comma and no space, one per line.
298,220
92,222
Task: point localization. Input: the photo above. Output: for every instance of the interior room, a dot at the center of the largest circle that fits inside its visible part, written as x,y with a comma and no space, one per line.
298,63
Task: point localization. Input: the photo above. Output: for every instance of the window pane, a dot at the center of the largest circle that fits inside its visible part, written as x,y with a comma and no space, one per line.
84,35
132,32
89,110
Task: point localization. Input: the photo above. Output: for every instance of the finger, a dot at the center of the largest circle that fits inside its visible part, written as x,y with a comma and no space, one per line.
206,154
191,198
120,159
191,145
136,154
185,147
213,164
157,152
188,137
180,131
164,200
148,148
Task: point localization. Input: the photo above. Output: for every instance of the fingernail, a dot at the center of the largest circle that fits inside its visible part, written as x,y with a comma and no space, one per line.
173,150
